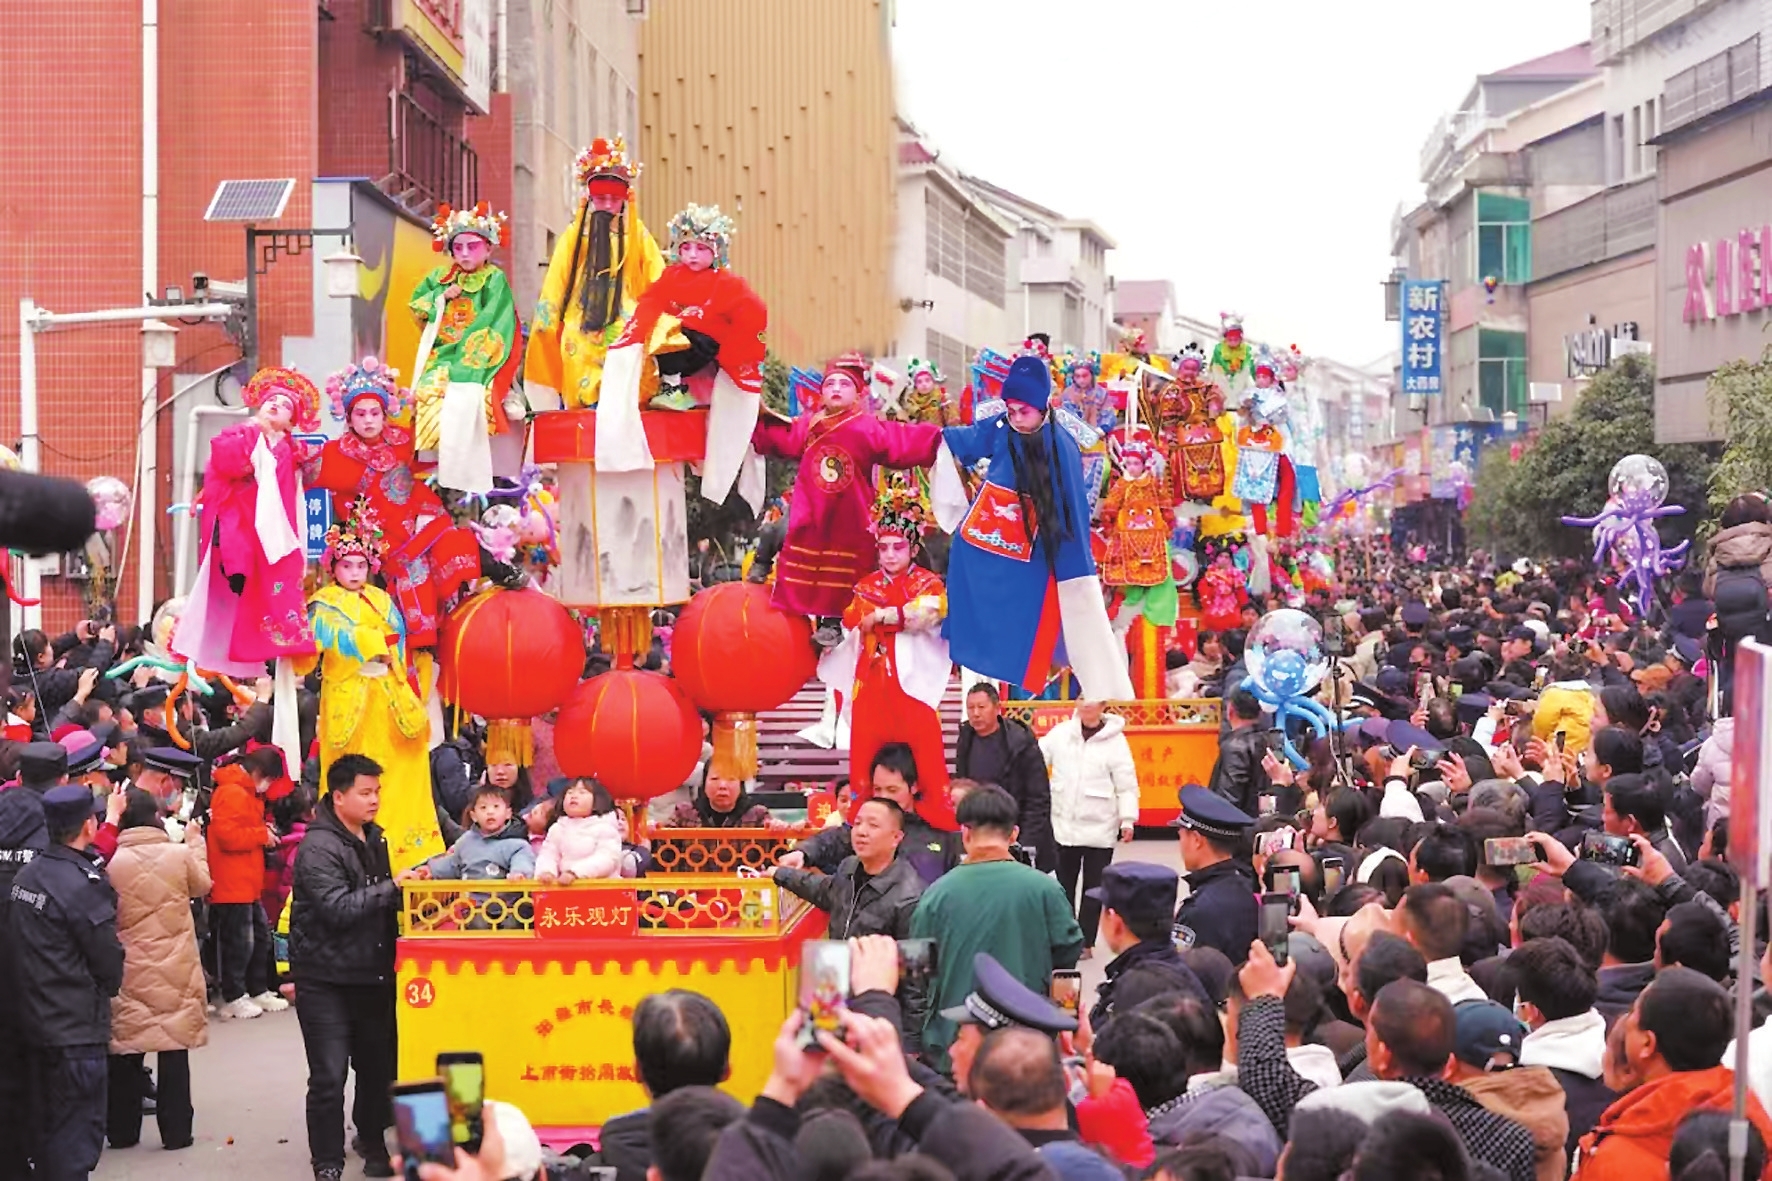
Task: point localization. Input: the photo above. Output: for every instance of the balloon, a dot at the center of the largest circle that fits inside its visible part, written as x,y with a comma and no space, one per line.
9,460
110,496
1638,483
1284,653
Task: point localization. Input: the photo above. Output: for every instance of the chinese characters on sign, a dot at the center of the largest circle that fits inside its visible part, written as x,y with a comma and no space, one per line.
564,915
316,510
584,1007
1423,317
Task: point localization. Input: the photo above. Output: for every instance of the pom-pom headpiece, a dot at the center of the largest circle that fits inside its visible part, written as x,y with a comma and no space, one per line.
1038,344
1229,321
1191,352
899,513
707,225
856,366
273,380
918,365
1074,361
1135,447
369,379
1264,359
359,536
450,224
605,166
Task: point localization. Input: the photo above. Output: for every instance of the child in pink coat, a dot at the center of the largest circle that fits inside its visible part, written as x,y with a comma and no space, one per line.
585,840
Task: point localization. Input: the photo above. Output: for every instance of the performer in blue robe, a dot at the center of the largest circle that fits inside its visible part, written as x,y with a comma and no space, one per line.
1023,596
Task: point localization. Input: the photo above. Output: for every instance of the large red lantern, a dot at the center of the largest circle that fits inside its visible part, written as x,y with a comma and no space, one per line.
738,654
509,655
636,732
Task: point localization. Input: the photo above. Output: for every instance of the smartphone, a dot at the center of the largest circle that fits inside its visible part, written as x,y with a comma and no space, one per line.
917,960
1269,843
1066,989
1562,740
421,1125
1506,851
1334,636
1283,879
464,1080
1276,929
824,987
1267,803
1607,849
1333,871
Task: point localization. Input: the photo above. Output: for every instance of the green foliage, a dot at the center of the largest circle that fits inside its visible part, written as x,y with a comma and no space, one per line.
1515,506
1740,395
730,528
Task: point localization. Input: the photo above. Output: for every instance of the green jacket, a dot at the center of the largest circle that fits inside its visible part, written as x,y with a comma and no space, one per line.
1017,914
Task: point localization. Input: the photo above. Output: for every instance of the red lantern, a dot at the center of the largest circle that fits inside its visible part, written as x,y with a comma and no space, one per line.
636,732
738,654
509,655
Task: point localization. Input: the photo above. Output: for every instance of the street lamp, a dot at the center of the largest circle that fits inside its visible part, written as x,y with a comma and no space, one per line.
1510,422
341,273
159,345
1393,293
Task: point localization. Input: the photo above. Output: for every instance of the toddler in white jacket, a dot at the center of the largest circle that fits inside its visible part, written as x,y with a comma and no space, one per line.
585,840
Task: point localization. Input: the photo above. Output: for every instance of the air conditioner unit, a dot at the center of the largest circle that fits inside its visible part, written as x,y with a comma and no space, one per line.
1544,391
637,9
1417,402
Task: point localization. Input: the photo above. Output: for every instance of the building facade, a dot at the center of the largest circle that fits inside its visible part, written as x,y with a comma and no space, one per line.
1058,271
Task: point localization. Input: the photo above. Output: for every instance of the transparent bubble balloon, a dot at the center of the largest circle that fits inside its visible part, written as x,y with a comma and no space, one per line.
1638,483
9,460
501,516
110,496
1284,653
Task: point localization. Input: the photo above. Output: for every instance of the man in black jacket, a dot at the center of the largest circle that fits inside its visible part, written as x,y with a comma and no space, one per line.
681,1041
66,965
927,849
1003,751
1238,776
1137,919
342,923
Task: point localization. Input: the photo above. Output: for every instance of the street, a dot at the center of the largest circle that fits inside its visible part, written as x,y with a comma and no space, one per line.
248,1084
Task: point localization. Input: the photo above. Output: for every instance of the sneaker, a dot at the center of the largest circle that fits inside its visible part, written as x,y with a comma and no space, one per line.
828,635
675,399
241,1007
375,1156
270,1002
329,1173
379,1167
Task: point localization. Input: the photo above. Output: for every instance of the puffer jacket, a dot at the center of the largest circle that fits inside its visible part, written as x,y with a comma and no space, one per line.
1094,782
1710,778
1217,1111
343,906
1634,1137
237,837
161,1005
1532,1097
1737,571
584,846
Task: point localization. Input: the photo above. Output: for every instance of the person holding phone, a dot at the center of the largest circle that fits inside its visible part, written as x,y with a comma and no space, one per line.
1238,776
1137,900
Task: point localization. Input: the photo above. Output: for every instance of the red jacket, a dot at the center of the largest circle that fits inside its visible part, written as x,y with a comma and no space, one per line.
1635,1135
1117,1124
237,837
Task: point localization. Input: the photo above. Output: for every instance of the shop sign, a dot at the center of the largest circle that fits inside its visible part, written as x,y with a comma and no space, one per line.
456,36
1423,311
1587,352
1729,276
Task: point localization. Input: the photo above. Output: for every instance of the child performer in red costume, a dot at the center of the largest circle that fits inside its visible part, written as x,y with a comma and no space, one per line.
828,548
893,664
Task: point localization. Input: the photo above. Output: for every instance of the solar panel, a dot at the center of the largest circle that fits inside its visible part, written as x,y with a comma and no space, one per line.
249,200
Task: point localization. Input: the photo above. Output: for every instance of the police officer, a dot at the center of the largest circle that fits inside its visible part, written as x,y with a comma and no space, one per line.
1137,923
23,836
1221,909
67,964
998,1001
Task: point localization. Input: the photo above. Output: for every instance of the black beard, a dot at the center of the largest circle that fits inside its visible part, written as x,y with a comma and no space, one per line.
1044,506
599,287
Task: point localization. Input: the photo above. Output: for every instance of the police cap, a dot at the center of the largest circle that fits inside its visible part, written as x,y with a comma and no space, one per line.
42,762
66,806
998,1000
1138,890
1210,814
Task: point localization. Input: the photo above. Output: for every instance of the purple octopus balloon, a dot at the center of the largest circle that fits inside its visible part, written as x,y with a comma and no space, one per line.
1625,528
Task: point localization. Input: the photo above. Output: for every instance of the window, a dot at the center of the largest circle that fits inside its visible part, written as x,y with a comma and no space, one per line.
572,124
594,113
985,261
950,356
611,103
1636,140
1504,238
1501,371
945,237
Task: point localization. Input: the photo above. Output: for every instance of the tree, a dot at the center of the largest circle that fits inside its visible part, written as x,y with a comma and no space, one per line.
1516,504
1740,395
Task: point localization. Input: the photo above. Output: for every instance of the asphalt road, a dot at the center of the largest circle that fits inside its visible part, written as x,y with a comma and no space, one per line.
249,1082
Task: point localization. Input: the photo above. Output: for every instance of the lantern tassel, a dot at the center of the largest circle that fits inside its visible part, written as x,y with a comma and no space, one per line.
735,746
625,632
511,740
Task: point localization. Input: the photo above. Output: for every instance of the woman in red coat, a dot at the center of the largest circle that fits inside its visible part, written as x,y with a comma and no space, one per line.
429,557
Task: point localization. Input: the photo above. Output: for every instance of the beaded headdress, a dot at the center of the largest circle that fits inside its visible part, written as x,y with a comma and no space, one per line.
1264,359
1072,361
1293,357
369,379
452,223
1230,320
1137,447
1190,352
707,225
273,379
899,513
606,165
918,365
359,535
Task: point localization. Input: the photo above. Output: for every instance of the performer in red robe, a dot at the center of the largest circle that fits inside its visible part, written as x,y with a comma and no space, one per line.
427,556
829,545
897,662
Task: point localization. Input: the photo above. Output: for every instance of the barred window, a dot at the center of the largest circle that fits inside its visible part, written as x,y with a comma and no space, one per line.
985,261
946,234
950,356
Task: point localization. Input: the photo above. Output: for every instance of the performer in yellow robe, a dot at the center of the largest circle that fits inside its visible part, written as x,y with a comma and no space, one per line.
601,266
367,704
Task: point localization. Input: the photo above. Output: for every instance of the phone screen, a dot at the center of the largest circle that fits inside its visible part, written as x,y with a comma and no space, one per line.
1562,740
1284,879
1066,989
1332,875
464,1081
1276,909
824,986
421,1124
1505,851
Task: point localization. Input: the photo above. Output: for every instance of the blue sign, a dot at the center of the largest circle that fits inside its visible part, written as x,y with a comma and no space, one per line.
316,511
1424,306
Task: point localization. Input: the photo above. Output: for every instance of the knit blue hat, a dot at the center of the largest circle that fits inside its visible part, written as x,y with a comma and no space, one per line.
1029,382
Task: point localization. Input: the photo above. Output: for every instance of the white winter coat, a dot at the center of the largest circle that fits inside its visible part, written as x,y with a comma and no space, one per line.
1094,783
1710,778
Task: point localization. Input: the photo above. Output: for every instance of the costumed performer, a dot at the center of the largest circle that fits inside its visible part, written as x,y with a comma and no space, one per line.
245,607
1304,417
1137,517
1265,476
1188,427
697,299
1230,359
468,355
892,667
1022,585
368,706
829,545
923,399
601,267
1087,412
